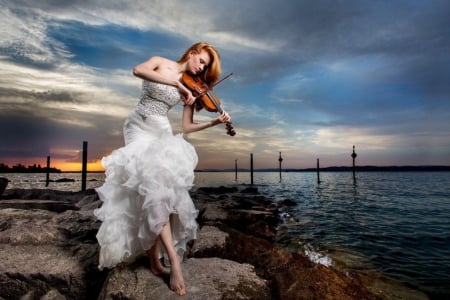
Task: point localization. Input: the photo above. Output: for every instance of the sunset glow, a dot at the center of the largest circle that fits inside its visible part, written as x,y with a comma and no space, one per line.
55,163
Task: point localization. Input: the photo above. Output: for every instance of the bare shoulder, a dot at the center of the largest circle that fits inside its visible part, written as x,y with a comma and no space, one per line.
154,63
159,60
165,67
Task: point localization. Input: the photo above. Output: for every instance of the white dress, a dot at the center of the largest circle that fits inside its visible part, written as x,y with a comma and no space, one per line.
147,182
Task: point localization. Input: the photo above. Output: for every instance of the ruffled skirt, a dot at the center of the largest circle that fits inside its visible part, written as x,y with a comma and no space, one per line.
147,185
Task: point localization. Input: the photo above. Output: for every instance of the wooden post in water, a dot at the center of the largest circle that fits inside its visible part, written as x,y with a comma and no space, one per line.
251,168
47,180
235,169
84,166
318,170
280,159
353,157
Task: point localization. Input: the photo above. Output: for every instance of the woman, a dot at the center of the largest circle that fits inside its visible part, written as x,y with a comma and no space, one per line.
146,204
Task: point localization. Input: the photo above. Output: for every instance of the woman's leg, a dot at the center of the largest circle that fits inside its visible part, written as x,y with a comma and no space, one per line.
176,276
155,263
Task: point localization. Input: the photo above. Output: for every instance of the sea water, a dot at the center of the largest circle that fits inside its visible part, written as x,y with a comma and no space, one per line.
393,223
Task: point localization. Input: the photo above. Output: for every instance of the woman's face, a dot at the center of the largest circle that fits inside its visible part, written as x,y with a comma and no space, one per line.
198,61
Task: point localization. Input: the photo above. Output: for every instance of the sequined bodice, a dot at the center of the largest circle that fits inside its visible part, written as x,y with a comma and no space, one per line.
157,98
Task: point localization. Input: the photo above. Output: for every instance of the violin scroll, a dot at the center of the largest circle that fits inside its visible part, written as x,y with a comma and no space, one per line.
229,128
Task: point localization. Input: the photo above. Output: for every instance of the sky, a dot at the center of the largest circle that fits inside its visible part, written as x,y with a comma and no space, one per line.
310,79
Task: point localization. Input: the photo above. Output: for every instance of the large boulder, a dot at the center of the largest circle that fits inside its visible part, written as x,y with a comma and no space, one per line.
44,251
205,278
210,242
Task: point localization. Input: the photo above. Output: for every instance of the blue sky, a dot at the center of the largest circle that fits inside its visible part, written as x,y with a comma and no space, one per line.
310,78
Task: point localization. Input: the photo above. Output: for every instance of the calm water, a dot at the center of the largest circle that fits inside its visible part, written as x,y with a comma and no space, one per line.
394,223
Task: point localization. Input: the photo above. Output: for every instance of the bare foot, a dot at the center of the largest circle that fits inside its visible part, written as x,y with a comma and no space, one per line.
176,279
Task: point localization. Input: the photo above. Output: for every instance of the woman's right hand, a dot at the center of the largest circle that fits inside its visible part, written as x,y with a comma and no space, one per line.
188,98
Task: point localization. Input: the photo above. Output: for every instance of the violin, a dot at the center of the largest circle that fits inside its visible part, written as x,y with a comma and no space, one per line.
205,97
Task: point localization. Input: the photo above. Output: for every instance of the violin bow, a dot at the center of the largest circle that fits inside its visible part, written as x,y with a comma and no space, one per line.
211,87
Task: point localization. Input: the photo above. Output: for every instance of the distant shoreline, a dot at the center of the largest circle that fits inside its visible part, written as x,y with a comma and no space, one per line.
345,169
330,169
325,169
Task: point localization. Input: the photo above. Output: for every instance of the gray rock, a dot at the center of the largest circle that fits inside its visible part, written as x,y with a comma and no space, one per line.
205,278
43,251
89,202
210,242
213,213
53,295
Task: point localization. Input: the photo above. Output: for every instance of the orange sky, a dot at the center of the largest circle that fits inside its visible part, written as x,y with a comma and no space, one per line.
60,164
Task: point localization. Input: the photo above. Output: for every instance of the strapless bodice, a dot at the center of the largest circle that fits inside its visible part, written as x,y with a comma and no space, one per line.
157,98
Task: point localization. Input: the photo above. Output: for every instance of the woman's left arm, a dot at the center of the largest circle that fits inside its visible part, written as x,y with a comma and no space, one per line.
188,120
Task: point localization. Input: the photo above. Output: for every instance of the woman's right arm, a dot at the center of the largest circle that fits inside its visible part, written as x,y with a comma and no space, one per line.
148,71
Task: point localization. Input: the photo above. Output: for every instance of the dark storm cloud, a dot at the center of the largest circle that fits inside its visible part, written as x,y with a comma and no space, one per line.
412,34
25,133
399,49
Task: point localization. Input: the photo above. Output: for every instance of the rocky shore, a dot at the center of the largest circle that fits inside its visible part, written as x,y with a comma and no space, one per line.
49,251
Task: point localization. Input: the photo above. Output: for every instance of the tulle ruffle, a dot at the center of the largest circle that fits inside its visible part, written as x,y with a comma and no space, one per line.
147,185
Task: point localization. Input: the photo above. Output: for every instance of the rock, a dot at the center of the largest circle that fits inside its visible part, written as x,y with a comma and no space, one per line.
44,251
65,180
50,295
255,218
212,213
3,184
50,205
287,202
53,295
254,222
244,201
294,276
89,202
250,190
205,278
218,190
46,194
210,242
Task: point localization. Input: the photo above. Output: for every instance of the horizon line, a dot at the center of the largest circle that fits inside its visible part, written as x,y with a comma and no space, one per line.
332,168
